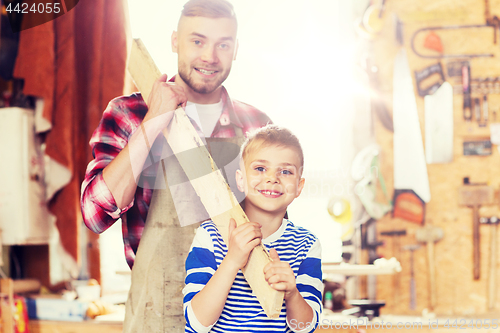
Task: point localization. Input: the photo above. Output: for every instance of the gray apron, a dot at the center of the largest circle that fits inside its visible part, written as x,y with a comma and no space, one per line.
155,300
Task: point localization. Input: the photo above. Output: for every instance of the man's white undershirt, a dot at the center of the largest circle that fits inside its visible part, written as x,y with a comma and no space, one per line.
205,115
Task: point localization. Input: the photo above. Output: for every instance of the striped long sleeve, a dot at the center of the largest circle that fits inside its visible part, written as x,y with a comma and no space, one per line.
242,311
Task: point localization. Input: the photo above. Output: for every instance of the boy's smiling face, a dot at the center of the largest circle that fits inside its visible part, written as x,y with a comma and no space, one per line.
271,179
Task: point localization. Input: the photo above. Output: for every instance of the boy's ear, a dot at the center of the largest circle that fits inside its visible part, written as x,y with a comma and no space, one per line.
239,181
300,187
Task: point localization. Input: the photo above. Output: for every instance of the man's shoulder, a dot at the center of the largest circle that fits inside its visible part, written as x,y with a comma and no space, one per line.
242,106
129,103
249,114
125,113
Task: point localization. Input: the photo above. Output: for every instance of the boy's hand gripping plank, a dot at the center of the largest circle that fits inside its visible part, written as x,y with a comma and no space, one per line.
212,188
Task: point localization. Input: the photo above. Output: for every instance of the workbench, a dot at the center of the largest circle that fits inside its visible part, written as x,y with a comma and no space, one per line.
43,326
89,326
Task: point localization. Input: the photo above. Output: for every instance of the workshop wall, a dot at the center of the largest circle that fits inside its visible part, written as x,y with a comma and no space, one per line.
457,291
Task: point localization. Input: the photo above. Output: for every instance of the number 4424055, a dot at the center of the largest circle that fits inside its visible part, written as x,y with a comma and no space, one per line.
479,323
23,8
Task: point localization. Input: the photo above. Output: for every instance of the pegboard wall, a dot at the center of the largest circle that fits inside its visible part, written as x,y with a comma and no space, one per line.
458,294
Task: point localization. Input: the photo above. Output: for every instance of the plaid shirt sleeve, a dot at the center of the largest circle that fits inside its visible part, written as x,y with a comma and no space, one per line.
121,117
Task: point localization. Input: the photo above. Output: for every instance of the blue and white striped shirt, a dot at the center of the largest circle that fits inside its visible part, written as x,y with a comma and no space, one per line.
242,311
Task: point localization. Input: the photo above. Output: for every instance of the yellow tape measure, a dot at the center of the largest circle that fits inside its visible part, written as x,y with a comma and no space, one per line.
340,210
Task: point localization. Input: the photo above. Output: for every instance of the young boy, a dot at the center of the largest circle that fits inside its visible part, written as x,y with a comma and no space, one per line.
217,297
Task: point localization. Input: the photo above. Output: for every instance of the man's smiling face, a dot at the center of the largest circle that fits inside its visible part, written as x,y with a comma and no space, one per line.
206,48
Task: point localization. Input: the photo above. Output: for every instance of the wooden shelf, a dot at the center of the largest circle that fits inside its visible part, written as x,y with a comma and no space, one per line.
44,326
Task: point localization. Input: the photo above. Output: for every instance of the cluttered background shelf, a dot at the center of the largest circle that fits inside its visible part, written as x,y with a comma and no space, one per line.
457,290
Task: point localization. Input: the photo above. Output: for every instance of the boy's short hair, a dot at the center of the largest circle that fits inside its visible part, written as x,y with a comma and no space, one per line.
272,135
209,8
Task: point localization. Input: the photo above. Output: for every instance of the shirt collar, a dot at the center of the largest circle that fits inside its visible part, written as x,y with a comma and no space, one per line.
277,234
228,115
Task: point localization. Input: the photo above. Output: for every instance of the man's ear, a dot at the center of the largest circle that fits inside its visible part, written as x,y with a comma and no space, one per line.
240,181
236,49
173,41
300,187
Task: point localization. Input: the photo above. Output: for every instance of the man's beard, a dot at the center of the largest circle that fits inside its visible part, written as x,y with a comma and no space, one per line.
201,87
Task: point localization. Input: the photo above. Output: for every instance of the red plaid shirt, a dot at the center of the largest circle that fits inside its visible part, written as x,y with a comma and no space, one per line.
121,118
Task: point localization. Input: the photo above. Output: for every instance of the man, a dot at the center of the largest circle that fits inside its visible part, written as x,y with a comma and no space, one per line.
206,44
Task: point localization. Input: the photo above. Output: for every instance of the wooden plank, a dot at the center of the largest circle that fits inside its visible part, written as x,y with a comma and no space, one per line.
212,189
142,68
7,305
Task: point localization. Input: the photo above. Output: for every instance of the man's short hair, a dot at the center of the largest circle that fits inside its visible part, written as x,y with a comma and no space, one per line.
209,8
272,135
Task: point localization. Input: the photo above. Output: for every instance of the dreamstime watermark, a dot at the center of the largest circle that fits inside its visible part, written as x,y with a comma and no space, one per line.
329,188
155,166
339,182
26,14
364,323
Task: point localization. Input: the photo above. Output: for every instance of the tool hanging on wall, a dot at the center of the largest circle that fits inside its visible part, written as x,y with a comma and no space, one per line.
495,133
475,196
396,252
373,18
481,86
477,148
477,110
409,206
478,86
395,242
454,68
410,168
370,243
430,235
466,92
444,55
413,283
365,170
492,21
369,240
398,30
340,211
371,22
439,125
433,42
439,13
423,75
485,112
492,276
377,104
